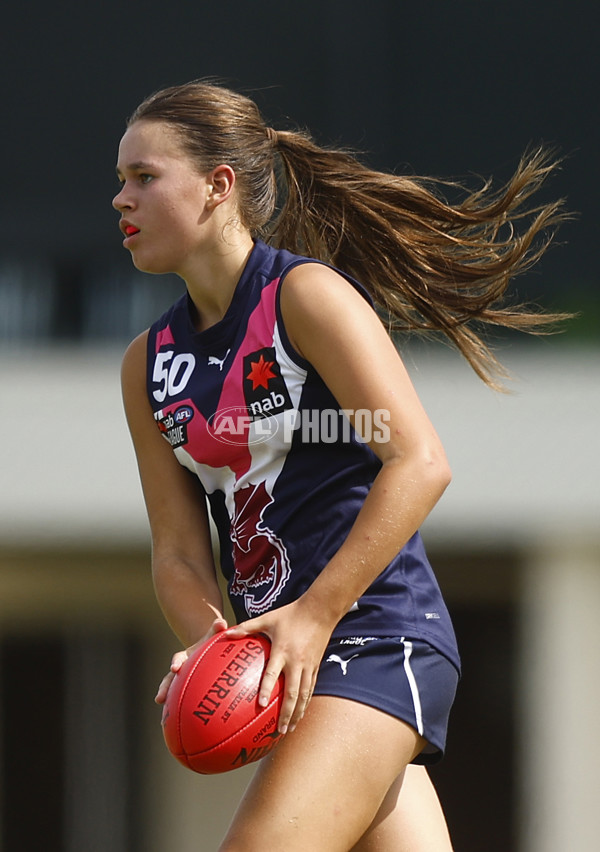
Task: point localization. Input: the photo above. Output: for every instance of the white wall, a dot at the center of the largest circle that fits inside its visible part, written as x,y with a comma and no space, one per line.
523,463
67,467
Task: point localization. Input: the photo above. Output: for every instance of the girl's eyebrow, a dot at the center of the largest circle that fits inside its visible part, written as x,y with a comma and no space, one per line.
135,167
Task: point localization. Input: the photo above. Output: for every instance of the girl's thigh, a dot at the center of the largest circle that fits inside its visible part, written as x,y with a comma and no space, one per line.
410,818
323,785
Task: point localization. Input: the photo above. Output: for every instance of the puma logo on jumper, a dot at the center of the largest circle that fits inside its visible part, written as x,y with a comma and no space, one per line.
333,658
214,362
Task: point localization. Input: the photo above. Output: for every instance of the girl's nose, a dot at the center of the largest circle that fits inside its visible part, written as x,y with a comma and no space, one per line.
121,201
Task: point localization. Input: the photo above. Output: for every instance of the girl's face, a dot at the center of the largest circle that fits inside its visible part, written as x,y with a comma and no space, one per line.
162,200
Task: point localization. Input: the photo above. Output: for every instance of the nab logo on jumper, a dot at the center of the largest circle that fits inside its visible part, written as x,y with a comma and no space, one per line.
265,392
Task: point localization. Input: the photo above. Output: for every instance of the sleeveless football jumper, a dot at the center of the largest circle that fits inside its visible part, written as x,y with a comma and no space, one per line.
284,472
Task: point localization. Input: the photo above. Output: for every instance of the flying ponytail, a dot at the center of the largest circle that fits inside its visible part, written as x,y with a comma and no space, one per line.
430,265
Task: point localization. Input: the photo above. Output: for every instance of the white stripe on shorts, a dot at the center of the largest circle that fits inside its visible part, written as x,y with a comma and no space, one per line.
408,647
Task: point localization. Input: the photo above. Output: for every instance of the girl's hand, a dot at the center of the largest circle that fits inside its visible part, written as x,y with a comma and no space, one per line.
218,625
298,642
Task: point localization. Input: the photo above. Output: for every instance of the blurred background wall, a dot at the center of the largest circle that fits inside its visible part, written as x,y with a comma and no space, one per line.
457,90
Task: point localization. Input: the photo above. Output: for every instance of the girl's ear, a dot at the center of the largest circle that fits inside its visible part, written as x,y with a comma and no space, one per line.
220,184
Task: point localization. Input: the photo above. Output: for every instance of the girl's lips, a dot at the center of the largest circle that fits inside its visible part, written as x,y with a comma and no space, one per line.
129,231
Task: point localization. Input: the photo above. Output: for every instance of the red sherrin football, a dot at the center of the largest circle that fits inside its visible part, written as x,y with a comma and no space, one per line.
211,720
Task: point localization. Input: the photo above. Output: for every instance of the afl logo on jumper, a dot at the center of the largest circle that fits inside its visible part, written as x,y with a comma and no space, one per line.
174,425
184,414
265,392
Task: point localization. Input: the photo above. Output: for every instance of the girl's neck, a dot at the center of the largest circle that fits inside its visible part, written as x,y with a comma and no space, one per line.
212,282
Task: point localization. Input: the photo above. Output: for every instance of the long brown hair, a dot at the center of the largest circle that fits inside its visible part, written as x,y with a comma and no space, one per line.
430,265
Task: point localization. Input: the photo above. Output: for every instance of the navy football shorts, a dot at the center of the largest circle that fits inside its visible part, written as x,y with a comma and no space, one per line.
406,678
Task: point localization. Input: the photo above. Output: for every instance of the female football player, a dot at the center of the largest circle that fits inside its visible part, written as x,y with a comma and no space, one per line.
271,399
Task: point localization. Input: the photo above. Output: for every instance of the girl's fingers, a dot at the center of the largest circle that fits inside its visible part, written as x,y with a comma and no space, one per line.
161,695
267,684
178,659
176,663
299,679
247,628
289,705
218,626
307,685
298,692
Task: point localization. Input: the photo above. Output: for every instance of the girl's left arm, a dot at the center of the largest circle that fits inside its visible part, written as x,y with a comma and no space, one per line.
335,329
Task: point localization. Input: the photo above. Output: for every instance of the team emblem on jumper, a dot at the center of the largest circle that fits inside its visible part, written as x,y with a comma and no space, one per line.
265,392
260,559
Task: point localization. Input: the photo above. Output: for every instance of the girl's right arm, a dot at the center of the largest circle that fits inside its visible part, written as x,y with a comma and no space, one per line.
183,568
